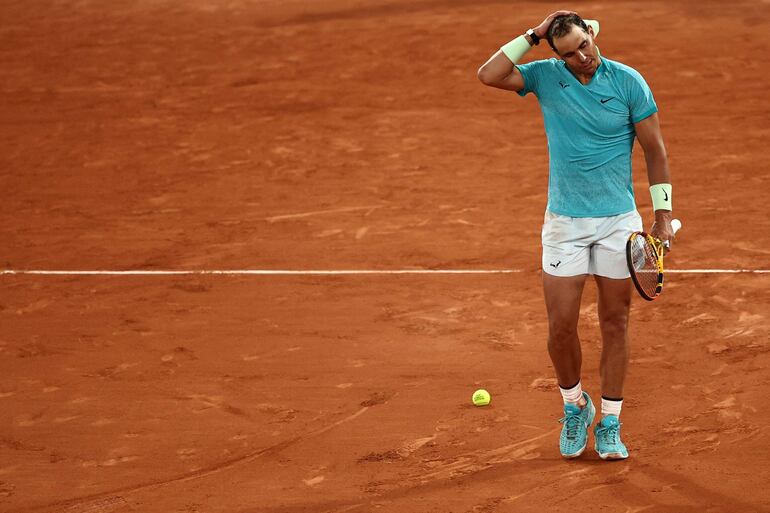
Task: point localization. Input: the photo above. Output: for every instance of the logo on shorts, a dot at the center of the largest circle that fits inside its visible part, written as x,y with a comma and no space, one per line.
605,101
556,264
563,85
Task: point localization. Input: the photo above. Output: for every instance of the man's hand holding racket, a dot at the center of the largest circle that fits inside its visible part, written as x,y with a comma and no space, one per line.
662,228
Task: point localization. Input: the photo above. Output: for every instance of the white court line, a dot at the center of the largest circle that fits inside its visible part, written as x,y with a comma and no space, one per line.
278,272
717,271
269,272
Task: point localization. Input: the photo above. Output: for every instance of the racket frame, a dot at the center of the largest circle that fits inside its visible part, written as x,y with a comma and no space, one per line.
657,248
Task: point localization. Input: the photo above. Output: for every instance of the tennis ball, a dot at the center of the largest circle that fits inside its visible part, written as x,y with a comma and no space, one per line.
481,397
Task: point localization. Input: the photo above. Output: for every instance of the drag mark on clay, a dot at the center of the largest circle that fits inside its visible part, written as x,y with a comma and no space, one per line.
346,508
314,481
477,461
101,506
96,503
444,472
695,492
637,509
300,215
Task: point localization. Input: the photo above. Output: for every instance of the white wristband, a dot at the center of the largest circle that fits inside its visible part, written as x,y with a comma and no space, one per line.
516,49
661,196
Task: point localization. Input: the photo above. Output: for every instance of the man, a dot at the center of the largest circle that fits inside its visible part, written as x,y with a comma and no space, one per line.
593,108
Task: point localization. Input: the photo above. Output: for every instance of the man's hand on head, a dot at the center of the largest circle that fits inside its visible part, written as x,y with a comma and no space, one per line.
542,30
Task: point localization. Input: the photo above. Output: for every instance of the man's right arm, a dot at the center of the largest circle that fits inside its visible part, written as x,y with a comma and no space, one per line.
500,70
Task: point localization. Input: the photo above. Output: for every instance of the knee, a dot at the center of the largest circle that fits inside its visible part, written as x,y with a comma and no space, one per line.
561,334
615,324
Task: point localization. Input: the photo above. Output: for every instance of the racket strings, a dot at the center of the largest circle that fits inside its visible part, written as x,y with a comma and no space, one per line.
645,264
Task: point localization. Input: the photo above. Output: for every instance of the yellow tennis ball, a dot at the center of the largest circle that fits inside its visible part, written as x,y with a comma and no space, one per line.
481,397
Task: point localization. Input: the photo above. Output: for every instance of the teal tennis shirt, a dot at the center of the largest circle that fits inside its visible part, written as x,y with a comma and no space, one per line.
590,131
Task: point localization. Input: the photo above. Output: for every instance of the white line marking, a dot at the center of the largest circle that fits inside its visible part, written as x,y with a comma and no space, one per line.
717,271
319,272
268,272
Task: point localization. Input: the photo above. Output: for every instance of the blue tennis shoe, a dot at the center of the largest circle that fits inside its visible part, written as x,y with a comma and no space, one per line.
607,439
574,431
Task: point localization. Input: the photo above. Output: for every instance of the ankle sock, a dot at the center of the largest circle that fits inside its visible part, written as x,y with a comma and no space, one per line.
573,394
611,406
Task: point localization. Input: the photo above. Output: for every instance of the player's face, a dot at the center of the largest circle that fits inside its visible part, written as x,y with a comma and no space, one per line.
578,51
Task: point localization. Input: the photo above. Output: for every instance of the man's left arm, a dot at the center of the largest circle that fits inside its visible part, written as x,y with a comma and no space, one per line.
651,140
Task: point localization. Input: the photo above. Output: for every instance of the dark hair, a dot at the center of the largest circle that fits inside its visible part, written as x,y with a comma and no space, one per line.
562,25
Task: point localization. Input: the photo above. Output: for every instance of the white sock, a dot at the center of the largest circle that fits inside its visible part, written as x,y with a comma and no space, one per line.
572,395
611,407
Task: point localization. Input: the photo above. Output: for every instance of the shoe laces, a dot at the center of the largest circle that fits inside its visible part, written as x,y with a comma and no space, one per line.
610,434
572,422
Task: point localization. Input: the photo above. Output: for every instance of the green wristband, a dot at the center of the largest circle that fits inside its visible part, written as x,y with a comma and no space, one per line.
516,49
661,196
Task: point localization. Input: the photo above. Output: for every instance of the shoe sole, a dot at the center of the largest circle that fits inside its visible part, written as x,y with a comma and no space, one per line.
612,456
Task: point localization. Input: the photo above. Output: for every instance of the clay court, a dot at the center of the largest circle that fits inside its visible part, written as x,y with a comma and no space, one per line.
267,135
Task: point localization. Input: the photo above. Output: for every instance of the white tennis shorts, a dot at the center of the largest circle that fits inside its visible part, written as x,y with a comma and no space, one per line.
588,245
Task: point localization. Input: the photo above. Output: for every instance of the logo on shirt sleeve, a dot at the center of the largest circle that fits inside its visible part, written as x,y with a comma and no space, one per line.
563,85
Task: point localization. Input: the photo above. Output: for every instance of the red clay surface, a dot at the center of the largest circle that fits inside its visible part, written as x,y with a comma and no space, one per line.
354,135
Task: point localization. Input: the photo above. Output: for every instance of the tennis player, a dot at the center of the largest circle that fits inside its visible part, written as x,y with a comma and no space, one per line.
593,108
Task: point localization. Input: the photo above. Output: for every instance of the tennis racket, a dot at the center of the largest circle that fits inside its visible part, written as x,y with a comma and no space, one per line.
644,254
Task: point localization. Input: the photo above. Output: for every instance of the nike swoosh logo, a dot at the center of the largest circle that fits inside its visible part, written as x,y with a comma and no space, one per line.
605,101
665,196
563,85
